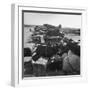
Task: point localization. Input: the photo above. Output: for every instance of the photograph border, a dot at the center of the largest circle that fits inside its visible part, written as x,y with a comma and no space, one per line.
17,44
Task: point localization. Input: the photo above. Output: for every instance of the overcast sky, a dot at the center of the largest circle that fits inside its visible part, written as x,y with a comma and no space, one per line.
65,20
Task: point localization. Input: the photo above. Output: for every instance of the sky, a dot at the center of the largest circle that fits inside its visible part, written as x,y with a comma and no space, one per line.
66,20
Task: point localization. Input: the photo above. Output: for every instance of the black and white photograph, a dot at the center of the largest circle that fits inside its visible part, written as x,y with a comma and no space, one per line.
51,43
